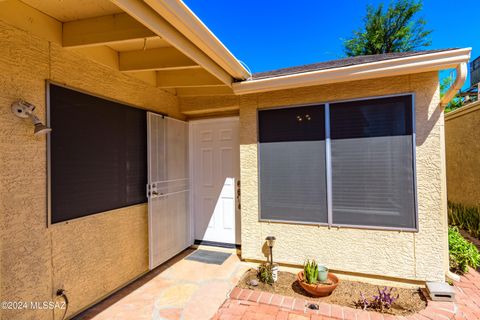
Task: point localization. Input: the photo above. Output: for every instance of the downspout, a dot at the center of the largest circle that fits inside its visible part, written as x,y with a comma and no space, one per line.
457,84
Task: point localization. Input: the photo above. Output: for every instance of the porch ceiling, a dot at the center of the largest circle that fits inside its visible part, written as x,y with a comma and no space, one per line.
132,37
69,10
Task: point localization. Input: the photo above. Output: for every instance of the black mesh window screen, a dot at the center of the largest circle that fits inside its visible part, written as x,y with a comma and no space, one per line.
292,164
98,154
372,162
367,153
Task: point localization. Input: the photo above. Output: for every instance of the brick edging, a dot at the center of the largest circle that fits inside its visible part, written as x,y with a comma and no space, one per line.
434,310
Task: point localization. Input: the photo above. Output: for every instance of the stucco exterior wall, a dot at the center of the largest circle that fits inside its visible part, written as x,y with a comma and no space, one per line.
462,142
88,257
418,255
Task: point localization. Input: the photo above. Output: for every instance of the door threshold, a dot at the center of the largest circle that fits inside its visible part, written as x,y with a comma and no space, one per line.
216,244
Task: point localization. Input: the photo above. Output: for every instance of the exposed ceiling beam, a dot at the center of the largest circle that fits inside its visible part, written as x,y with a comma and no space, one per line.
103,30
204,91
186,78
152,20
154,59
102,54
27,18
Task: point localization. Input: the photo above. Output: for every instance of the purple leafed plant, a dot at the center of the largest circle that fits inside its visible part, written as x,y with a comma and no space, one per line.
362,302
380,302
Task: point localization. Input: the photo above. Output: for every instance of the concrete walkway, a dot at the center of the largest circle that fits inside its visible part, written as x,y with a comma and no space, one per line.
179,289
245,304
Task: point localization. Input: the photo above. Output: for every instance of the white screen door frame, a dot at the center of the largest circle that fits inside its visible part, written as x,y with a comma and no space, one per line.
215,184
168,188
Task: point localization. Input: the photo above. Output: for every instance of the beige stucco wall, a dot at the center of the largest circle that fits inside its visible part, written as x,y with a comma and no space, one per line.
408,255
91,256
462,142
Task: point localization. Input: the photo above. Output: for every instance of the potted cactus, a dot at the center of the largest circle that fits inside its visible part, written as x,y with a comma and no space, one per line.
310,271
308,279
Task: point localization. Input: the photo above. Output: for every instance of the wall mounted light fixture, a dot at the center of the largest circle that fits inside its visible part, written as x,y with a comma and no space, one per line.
24,109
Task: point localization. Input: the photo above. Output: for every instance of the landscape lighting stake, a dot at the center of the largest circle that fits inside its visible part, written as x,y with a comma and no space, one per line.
271,242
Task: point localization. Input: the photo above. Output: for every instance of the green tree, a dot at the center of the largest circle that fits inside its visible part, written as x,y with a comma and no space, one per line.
396,29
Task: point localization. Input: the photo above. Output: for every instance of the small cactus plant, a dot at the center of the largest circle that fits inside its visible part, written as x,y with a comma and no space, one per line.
310,270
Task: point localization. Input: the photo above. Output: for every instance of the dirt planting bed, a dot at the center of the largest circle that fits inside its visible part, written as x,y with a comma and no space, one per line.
347,293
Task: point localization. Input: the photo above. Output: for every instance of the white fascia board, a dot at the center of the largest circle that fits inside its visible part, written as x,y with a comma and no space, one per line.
184,20
386,68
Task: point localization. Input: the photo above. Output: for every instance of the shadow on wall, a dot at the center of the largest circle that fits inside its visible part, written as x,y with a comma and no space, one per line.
427,121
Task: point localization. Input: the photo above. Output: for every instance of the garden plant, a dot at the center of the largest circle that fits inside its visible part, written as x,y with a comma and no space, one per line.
463,254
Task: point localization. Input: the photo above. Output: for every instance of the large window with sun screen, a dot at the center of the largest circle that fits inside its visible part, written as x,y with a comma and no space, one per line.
292,164
97,154
346,163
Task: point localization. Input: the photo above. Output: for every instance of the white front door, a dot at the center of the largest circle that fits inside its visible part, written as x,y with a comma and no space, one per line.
215,156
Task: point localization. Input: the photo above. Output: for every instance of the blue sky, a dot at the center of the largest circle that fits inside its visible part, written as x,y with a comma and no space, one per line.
268,34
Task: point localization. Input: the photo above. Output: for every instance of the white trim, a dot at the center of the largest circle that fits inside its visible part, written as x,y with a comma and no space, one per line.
460,78
386,68
191,180
184,20
328,165
220,119
191,142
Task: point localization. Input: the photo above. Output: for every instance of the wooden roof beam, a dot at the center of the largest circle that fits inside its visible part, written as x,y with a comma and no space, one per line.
155,59
103,30
186,78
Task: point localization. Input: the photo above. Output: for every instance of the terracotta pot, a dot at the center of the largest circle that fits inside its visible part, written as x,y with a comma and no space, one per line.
318,290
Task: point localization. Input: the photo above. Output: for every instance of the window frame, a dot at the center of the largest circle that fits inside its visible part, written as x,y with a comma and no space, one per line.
49,155
328,166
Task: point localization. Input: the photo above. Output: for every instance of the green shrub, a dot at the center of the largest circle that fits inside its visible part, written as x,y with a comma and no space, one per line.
462,252
265,273
310,271
467,218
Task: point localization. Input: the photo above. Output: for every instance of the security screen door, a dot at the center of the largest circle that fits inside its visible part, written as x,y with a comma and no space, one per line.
168,188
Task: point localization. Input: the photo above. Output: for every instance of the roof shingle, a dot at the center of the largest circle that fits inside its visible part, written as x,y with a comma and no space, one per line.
340,63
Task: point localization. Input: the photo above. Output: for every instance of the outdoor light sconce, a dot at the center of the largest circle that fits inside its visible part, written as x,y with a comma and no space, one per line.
270,243
24,109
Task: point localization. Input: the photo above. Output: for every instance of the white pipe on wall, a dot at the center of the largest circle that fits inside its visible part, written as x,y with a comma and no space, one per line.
457,84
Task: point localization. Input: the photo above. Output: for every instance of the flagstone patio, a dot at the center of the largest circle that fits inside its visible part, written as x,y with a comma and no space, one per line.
179,289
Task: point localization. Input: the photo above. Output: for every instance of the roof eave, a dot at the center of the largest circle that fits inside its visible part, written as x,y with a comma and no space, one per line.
184,20
385,68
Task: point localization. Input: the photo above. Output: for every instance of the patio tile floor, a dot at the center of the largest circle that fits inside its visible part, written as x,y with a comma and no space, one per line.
179,289
241,306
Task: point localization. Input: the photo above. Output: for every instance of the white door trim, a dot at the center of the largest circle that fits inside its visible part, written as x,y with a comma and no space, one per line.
191,165
222,119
